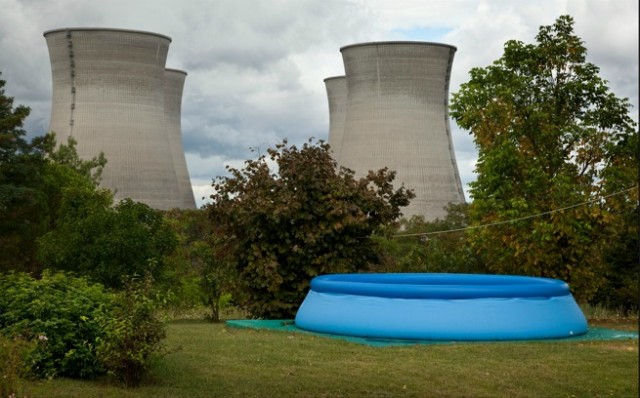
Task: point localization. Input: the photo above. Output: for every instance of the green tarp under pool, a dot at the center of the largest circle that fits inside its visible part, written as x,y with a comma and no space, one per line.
593,334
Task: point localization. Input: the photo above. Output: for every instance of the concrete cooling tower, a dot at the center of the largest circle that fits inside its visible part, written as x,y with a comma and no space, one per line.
337,94
173,86
397,117
109,94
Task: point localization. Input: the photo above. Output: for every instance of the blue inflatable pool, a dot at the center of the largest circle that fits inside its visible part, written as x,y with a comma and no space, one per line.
465,307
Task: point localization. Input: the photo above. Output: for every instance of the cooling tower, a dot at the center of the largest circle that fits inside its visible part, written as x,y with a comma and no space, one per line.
397,117
173,86
337,95
108,93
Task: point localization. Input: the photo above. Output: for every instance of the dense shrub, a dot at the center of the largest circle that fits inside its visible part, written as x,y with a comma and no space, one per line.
13,353
280,229
60,313
620,290
104,242
77,328
187,280
425,246
132,333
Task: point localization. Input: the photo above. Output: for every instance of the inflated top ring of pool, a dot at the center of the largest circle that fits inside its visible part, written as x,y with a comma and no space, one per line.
466,307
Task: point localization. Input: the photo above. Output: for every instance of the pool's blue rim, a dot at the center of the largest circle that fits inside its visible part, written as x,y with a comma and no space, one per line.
440,286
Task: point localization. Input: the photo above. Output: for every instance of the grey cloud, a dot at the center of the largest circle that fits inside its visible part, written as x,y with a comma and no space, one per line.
258,34
255,68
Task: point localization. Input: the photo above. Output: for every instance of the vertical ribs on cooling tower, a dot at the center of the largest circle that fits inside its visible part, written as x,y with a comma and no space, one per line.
109,94
396,116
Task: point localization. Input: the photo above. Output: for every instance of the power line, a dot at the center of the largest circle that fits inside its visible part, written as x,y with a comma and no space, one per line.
516,219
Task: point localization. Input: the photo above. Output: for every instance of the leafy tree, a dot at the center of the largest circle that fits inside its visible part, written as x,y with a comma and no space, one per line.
196,274
218,273
422,246
20,197
107,243
33,177
280,229
133,333
550,134
64,170
621,255
12,142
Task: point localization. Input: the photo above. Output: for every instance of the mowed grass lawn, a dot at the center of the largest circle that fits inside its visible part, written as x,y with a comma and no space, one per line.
216,361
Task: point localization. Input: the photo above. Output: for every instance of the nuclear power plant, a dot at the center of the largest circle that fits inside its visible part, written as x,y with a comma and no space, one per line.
391,110
112,94
173,87
337,94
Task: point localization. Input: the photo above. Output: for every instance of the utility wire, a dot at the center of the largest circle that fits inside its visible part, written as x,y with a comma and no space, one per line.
517,219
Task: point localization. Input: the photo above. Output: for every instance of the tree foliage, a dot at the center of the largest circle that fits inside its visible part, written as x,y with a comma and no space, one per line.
107,243
52,212
280,229
431,246
19,180
549,134
197,275
34,176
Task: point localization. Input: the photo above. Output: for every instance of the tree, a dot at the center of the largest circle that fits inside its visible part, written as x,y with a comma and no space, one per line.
197,273
431,246
65,170
621,255
33,178
217,275
280,229
107,243
38,178
12,142
550,135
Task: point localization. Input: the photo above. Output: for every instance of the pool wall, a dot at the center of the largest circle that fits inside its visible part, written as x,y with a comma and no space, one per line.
441,307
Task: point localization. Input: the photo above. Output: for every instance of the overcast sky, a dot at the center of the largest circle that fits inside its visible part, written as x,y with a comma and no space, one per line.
256,67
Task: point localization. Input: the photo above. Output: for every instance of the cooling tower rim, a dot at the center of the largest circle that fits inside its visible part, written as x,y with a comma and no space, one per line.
176,71
97,29
335,78
375,43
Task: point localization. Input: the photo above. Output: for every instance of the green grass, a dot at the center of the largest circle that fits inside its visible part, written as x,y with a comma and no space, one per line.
215,361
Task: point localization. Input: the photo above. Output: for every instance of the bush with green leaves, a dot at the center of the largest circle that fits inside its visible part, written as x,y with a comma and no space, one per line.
61,314
78,329
13,353
620,290
132,333
185,280
280,229
431,246
107,243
